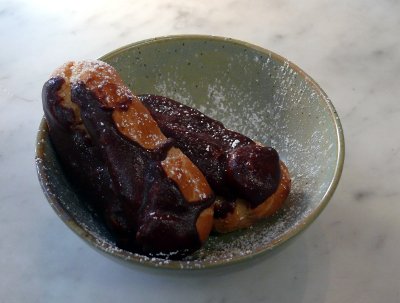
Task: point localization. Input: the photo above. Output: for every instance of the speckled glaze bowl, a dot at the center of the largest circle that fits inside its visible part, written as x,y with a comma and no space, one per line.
251,90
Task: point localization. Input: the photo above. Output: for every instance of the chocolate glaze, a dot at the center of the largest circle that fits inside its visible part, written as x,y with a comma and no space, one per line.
223,207
234,165
74,148
142,207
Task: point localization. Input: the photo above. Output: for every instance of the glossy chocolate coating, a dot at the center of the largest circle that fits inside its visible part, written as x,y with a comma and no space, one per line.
125,182
234,165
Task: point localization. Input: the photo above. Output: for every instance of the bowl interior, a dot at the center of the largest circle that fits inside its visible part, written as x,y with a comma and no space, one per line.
250,90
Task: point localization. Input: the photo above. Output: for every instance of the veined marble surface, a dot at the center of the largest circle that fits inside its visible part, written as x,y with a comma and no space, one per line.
351,48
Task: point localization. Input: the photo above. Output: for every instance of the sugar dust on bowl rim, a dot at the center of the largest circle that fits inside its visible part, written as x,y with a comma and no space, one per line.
251,90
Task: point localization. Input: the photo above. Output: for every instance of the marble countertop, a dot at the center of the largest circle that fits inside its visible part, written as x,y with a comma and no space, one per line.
351,48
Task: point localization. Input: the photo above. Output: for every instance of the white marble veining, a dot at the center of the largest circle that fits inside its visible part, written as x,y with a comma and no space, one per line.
349,254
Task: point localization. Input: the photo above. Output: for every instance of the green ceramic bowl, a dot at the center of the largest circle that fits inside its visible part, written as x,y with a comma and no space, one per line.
251,90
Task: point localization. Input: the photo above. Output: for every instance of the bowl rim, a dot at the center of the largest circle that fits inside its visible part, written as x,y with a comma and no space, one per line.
117,254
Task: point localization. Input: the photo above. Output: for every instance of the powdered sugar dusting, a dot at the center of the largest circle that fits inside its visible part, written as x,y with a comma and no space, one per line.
99,77
80,68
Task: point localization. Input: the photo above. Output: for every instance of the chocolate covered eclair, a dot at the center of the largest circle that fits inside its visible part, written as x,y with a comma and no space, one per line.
151,196
250,180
